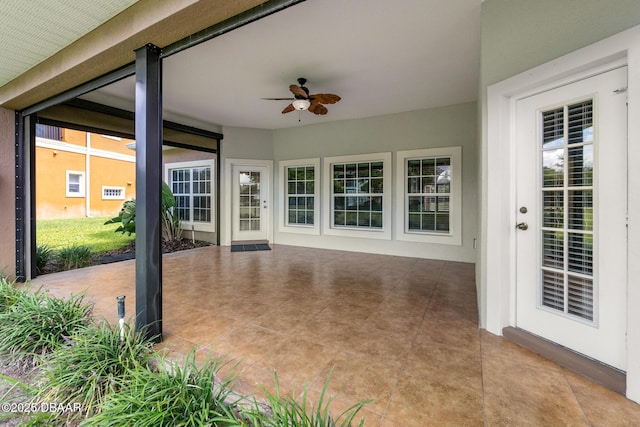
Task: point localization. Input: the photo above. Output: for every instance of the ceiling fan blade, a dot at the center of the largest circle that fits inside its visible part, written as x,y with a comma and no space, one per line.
279,99
325,98
289,108
317,108
298,92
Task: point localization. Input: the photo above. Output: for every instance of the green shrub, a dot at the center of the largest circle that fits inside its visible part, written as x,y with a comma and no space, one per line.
9,294
36,324
92,363
288,411
171,225
75,257
175,395
43,254
126,218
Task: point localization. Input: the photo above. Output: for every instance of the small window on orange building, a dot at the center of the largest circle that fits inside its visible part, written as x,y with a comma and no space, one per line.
112,193
75,184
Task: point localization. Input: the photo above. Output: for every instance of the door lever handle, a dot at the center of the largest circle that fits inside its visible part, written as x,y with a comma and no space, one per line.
522,226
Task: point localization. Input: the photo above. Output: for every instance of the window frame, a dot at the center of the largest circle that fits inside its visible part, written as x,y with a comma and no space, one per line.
122,195
328,207
196,225
81,191
284,225
454,236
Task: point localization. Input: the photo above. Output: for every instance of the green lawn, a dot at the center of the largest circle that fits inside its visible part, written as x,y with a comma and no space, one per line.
63,233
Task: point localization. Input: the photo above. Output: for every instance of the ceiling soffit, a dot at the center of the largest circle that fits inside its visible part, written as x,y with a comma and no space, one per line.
112,44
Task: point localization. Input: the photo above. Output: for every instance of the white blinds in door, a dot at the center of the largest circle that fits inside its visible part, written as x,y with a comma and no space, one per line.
568,213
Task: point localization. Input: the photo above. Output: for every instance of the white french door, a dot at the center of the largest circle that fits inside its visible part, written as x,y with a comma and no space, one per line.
250,213
571,205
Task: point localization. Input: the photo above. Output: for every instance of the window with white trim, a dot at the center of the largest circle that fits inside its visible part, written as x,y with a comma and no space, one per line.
75,184
429,181
428,193
360,195
112,193
192,186
300,184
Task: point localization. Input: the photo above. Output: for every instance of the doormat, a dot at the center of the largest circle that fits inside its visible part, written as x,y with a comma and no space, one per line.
250,247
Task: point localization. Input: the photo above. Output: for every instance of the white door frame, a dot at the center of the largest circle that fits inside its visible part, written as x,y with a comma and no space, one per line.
226,220
497,275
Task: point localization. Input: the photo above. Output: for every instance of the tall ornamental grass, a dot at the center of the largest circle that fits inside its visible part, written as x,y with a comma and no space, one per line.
36,324
176,395
93,363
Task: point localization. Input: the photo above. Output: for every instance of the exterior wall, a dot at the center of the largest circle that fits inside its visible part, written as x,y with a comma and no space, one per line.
110,173
433,128
55,158
7,194
51,175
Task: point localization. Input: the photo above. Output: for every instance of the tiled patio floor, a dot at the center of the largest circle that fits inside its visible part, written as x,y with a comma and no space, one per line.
402,331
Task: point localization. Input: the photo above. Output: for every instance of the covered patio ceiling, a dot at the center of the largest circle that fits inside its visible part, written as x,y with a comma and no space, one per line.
381,57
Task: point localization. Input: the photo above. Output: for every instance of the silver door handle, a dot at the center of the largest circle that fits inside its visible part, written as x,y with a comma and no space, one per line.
522,226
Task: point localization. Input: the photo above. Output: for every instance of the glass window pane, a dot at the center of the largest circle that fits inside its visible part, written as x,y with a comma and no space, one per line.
553,128
413,167
553,168
350,170
553,214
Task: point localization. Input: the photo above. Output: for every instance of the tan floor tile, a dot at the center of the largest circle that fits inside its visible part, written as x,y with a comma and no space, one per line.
602,406
518,393
401,323
463,336
355,379
430,359
402,331
436,401
247,342
298,359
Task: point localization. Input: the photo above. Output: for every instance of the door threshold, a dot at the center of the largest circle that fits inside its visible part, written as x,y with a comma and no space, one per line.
596,371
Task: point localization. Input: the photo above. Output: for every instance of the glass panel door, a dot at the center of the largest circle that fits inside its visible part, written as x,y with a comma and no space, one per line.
250,206
570,216
567,210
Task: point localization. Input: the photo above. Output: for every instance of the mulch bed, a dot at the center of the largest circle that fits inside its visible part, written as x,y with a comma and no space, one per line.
129,252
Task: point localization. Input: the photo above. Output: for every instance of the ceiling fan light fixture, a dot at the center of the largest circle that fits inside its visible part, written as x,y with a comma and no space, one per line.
301,104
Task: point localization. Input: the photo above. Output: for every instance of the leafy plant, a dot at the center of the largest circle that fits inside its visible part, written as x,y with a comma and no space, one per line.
92,364
126,217
43,254
36,324
9,294
287,411
171,225
175,395
75,257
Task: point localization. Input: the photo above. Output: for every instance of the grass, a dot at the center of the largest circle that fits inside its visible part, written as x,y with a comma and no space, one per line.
175,395
58,234
92,365
75,257
36,324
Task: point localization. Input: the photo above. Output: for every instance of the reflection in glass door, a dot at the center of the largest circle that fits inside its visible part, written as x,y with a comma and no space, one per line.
250,205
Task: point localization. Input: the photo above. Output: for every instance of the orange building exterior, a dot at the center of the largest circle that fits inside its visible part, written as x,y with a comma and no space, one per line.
80,174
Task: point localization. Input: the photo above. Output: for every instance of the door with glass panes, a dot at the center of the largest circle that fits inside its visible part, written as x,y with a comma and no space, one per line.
571,198
250,203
